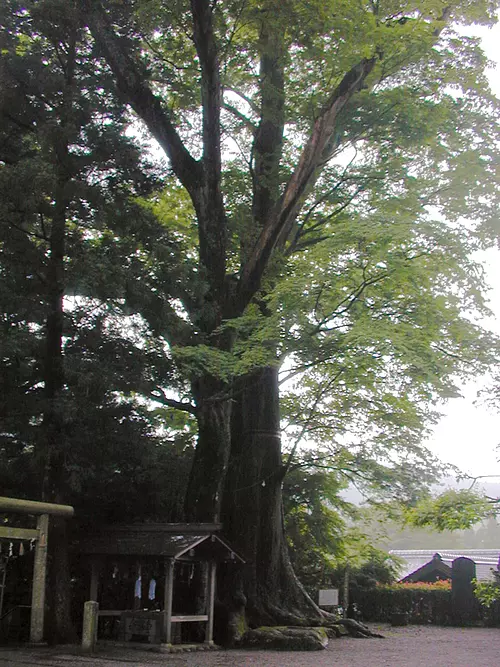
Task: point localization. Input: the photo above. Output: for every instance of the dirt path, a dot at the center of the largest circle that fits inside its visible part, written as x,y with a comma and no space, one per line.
415,646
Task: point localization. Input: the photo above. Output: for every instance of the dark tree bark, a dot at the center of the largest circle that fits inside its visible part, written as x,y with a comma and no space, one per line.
252,505
54,482
53,372
208,472
60,628
54,476
252,511
278,224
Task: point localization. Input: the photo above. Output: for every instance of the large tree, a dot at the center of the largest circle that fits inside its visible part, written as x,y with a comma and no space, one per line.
323,157
279,120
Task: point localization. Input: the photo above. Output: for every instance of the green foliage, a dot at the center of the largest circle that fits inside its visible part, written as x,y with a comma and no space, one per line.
379,568
116,459
315,524
451,510
487,592
321,537
385,526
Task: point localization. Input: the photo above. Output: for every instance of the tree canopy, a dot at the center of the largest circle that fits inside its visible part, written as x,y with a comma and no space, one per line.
198,196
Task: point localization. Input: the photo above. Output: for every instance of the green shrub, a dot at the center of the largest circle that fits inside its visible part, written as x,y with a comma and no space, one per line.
424,603
487,592
488,595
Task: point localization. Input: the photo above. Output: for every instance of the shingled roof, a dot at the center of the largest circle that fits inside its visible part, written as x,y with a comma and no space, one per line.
177,541
486,560
434,570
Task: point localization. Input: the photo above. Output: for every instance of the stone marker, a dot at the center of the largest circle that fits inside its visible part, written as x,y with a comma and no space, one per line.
89,631
463,602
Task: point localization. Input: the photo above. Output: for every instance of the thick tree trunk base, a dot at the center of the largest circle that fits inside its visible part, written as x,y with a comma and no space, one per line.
266,587
268,613
236,625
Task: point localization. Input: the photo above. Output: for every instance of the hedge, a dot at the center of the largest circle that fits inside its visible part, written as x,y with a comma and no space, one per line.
422,603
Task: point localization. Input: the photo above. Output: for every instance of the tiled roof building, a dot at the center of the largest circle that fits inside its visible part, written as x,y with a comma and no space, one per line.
423,561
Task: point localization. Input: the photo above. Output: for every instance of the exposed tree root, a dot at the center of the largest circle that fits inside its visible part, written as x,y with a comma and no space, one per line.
357,629
270,614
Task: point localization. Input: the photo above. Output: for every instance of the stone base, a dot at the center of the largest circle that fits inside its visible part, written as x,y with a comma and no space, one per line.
158,648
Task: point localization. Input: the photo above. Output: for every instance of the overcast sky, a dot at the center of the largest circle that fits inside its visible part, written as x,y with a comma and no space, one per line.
468,434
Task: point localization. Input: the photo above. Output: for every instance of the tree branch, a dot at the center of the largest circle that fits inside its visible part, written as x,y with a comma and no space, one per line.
321,392
349,300
211,97
172,403
209,205
268,139
316,151
133,85
240,116
244,97
297,243
20,228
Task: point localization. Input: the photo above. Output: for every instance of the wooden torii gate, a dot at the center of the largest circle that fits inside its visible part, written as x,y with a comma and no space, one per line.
43,511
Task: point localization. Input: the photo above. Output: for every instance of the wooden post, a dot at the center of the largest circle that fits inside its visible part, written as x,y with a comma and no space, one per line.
89,631
96,566
346,590
39,577
138,578
169,595
209,633
3,576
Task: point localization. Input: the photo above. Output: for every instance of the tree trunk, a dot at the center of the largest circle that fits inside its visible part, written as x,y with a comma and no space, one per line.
60,628
53,372
208,471
253,512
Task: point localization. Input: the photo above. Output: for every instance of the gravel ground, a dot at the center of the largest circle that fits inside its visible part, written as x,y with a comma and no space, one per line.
413,646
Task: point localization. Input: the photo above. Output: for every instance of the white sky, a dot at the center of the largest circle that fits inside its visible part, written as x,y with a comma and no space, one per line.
468,434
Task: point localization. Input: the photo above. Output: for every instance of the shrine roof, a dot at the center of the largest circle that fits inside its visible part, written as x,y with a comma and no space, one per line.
196,542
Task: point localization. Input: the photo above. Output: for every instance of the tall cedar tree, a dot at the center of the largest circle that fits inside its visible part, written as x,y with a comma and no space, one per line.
68,174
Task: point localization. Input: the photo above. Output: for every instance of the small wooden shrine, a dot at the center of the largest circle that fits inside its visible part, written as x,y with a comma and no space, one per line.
148,577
